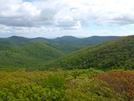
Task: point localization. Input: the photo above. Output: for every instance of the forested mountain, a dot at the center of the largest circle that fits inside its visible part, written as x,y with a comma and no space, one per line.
30,55
14,40
118,53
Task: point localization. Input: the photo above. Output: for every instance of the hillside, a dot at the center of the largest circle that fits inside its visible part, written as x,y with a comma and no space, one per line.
41,51
30,55
118,53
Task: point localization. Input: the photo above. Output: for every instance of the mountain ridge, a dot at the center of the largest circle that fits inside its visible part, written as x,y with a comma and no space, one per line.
117,53
17,40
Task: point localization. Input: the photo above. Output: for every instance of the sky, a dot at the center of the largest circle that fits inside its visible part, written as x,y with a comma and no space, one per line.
56,18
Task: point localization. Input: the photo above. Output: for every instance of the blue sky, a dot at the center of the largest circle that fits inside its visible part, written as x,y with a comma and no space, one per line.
112,28
56,18
27,0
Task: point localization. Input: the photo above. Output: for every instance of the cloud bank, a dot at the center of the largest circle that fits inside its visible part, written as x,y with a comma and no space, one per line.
63,15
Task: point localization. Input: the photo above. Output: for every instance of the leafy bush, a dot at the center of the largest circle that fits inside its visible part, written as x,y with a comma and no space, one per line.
121,81
55,81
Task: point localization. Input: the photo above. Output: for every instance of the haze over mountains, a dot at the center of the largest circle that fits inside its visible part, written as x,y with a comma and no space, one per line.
16,40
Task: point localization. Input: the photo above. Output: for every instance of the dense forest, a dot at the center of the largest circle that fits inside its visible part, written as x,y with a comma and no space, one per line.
44,71
30,55
118,53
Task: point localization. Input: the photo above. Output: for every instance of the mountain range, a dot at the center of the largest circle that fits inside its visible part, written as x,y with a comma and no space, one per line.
16,40
67,52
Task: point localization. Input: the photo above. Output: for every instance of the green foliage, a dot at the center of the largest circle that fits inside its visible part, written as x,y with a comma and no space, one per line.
58,85
87,88
29,86
55,81
89,72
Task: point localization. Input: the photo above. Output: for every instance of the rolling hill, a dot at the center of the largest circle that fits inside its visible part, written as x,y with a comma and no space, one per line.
118,53
30,55
14,40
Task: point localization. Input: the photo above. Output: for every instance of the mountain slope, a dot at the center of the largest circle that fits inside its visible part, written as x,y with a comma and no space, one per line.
118,53
30,55
41,51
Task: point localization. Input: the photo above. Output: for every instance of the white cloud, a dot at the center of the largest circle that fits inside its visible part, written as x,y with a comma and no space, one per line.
64,14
